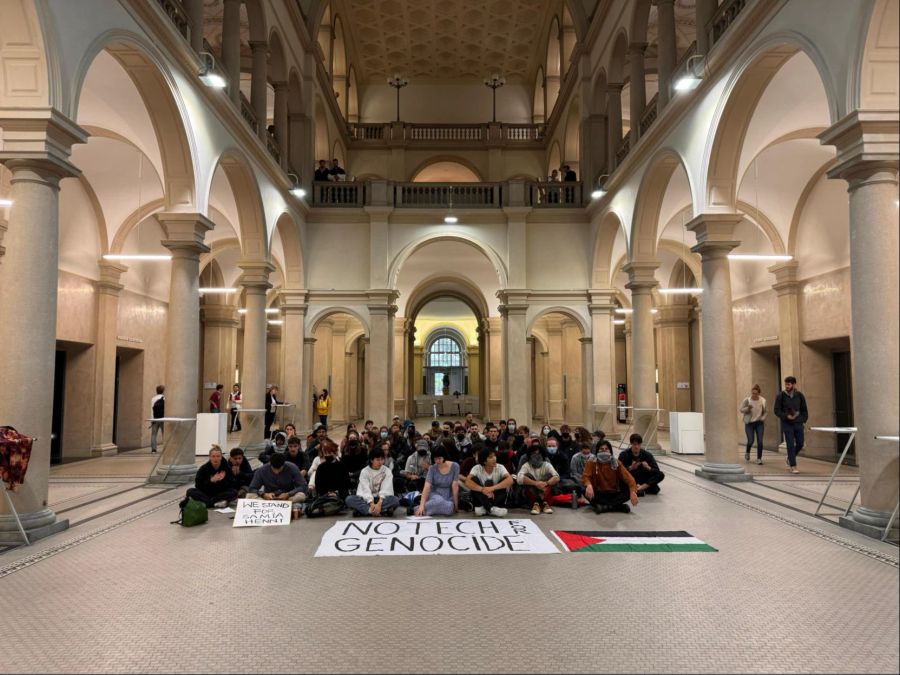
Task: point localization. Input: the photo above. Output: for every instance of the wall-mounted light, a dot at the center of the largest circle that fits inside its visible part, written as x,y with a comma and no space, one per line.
269,310
618,322
681,291
216,290
600,191
296,189
5,202
275,322
136,256
760,256
628,310
692,76
208,74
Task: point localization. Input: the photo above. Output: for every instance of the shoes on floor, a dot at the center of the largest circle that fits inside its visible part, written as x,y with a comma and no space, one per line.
498,511
746,456
652,490
759,461
536,509
624,508
641,493
795,470
547,508
221,504
480,511
600,508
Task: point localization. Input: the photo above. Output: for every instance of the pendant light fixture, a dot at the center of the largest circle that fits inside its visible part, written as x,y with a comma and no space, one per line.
138,256
684,289
451,219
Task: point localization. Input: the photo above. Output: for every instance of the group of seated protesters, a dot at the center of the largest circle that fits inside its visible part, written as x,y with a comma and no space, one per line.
449,468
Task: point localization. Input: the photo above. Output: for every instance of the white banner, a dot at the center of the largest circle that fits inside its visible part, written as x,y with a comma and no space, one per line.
361,537
262,513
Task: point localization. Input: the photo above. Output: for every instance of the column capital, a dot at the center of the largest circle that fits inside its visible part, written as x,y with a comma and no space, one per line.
641,275
40,135
602,300
111,273
220,316
184,231
615,88
256,275
673,315
257,46
866,142
280,85
381,301
309,341
785,277
293,301
586,341
715,232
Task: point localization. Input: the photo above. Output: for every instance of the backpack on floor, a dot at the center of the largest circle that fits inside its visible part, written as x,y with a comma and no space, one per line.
192,513
324,506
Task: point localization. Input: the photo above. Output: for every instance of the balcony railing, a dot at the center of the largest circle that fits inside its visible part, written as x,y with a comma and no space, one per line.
175,11
623,149
339,194
367,132
523,132
555,195
445,132
272,147
441,195
463,134
650,114
728,11
248,114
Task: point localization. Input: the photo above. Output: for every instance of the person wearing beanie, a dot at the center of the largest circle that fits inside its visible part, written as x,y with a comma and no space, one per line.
417,466
608,485
375,491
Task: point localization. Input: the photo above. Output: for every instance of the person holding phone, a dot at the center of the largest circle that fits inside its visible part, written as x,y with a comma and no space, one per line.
790,408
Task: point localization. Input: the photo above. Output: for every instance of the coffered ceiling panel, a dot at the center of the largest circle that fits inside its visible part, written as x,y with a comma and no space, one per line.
440,40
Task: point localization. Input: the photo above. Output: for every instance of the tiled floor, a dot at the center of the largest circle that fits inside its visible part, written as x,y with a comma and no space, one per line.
125,591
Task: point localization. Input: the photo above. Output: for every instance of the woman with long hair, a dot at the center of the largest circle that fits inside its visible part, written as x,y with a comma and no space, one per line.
323,407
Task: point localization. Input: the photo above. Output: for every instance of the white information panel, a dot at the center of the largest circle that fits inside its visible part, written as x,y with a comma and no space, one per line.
212,429
686,433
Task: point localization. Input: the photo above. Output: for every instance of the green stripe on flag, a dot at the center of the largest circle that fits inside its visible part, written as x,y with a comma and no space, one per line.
647,548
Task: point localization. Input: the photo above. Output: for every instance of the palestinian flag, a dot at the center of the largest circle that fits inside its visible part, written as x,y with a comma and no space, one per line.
613,542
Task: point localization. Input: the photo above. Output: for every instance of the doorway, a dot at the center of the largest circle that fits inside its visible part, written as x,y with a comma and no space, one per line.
59,405
843,401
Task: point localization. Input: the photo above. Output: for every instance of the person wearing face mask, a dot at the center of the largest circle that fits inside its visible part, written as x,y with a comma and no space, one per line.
558,459
463,442
330,477
537,477
608,485
642,466
545,431
529,442
509,431
417,466
579,459
399,444
354,458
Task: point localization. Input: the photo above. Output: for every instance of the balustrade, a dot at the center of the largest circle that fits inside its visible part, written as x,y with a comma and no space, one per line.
248,114
445,132
177,14
339,193
523,132
725,16
623,150
545,194
366,132
437,195
650,114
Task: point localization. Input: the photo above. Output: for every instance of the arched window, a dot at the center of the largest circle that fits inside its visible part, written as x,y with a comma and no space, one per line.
445,352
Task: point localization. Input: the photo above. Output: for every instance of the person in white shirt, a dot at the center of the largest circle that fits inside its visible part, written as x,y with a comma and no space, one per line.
753,409
488,482
157,409
538,476
234,405
375,491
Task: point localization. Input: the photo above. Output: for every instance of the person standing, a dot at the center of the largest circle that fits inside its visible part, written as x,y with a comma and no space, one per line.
790,408
322,172
323,407
234,406
215,399
157,411
753,409
271,402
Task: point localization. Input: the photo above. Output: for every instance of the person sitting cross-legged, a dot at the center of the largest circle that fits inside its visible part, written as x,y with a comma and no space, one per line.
213,484
375,491
538,476
488,482
607,483
331,477
643,467
280,479
440,495
241,471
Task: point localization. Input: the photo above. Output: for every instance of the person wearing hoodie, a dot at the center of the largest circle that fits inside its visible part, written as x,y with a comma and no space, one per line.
375,491
241,471
296,455
213,484
608,485
417,466
277,444
538,476
331,477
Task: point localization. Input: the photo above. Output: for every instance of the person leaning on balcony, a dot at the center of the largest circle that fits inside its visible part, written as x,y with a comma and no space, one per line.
553,193
337,173
322,172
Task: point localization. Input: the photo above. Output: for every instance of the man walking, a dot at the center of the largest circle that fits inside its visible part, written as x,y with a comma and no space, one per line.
790,408
157,411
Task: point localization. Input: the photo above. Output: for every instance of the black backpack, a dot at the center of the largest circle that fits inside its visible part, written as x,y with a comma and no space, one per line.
159,408
324,506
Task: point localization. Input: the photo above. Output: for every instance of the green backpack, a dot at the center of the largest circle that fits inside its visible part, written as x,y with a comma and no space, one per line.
192,513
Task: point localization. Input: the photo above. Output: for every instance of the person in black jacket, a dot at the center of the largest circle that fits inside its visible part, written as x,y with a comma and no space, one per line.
322,173
271,402
241,471
642,466
332,478
790,408
213,484
296,455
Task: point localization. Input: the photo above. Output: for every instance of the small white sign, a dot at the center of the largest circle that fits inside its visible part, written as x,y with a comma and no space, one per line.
262,513
682,385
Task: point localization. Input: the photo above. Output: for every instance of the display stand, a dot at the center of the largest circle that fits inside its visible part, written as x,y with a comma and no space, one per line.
282,407
887,530
15,513
212,429
837,430
252,426
623,442
173,441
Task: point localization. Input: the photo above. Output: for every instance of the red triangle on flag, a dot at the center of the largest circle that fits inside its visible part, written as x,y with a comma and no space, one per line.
574,541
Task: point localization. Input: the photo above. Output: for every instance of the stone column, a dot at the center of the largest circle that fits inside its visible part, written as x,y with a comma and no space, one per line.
594,149
231,48
194,10
715,240
255,282
281,122
516,356
380,356
220,326
638,88
641,282
184,238
587,366
108,289
786,287
667,50
868,161
629,364
556,399
673,348
28,298
409,334
338,389
258,82
614,123
305,411
603,358
300,150
484,355
401,365
293,371
705,11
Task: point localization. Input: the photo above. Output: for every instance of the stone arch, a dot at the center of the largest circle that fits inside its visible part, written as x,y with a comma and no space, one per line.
147,70
446,285
640,19
319,314
338,152
351,111
553,63
251,219
554,157
256,20
654,184
684,254
801,204
446,234
539,105
447,159
618,57
602,271
878,65
277,70
322,145
560,309
338,49
572,142
291,244
737,107
599,98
